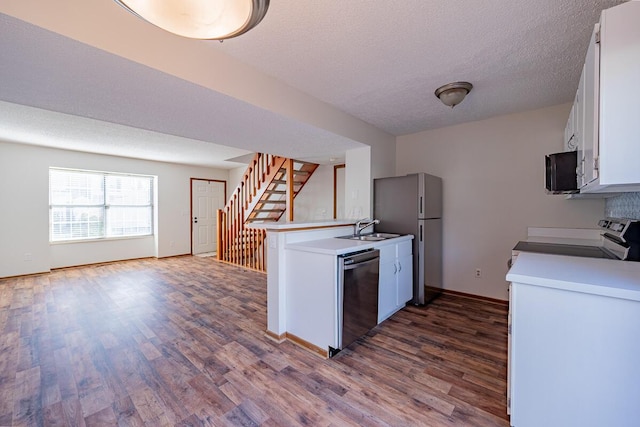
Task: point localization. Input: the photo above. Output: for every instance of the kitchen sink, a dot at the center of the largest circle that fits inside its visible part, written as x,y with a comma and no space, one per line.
371,237
384,235
365,238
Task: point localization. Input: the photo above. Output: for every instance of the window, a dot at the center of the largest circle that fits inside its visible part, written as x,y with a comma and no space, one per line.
95,205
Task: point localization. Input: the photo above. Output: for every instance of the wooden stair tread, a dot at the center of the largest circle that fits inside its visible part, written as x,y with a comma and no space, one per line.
295,171
267,210
282,181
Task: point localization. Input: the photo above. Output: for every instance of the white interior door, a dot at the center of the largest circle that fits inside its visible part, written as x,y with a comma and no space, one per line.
206,198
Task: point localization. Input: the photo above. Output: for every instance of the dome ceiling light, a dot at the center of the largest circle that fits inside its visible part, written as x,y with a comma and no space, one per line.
200,19
452,94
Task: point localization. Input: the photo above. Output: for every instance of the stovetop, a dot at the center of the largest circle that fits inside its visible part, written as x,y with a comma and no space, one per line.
562,249
620,240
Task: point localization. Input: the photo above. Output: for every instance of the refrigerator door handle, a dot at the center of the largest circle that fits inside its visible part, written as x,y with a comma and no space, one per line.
421,232
420,205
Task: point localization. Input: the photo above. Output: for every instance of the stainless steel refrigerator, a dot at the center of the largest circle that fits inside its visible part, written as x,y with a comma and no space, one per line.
412,204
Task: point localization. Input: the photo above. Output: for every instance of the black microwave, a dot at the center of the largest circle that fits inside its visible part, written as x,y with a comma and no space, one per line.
561,172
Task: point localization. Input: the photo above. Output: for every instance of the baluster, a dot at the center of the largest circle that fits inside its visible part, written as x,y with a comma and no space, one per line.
239,235
254,250
226,232
254,246
233,230
261,250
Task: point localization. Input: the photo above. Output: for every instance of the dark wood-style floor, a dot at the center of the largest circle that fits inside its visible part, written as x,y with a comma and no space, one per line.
181,341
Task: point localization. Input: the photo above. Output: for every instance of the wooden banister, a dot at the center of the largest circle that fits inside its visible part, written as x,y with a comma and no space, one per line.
237,244
258,197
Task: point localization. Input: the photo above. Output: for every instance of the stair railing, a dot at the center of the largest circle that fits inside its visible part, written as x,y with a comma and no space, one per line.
238,244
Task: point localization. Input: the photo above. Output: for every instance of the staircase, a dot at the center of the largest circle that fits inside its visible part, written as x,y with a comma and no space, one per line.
265,193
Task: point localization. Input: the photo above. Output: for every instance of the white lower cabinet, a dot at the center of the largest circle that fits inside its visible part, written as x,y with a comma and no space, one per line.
396,278
573,358
311,291
312,298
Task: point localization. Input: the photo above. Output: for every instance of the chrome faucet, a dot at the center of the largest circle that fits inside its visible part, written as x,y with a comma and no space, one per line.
359,226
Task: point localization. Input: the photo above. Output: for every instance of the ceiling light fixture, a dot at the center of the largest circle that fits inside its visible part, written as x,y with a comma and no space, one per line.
200,19
452,94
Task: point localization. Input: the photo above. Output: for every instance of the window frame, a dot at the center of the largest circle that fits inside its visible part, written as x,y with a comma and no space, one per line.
104,206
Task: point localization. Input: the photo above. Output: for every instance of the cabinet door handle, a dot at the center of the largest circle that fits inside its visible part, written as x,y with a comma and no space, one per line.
395,268
399,267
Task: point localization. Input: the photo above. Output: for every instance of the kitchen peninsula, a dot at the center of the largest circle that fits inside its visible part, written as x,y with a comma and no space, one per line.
301,278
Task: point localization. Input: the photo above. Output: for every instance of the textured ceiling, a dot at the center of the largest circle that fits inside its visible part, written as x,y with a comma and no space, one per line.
120,100
46,128
378,61
381,61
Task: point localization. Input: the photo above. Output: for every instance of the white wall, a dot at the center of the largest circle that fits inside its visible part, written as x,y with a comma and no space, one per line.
358,183
493,177
24,217
362,165
315,201
235,176
383,159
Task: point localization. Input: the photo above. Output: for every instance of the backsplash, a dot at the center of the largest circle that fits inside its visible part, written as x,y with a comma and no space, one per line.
623,206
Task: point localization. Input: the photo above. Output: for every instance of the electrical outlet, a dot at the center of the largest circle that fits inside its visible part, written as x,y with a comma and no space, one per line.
478,273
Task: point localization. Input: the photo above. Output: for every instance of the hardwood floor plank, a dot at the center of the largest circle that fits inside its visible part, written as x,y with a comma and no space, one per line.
218,402
8,366
95,400
53,415
105,417
280,414
398,386
181,341
27,407
147,404
72,412
126,414
238,417
254,411
191,421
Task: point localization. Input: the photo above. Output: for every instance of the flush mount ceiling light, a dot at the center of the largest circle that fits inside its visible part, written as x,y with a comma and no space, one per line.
452,94
200,19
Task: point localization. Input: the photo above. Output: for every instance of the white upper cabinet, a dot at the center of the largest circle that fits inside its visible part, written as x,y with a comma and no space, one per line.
570,140
610,139
588,144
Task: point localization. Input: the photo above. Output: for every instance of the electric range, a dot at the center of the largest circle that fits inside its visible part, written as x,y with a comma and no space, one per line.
620,241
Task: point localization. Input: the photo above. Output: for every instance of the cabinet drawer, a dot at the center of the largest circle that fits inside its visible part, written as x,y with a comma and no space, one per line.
404,248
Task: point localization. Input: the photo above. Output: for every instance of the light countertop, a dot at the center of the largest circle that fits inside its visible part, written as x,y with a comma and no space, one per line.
335,246
612,278
296,225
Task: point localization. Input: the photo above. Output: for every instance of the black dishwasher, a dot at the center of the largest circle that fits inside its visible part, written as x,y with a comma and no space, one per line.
357,295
